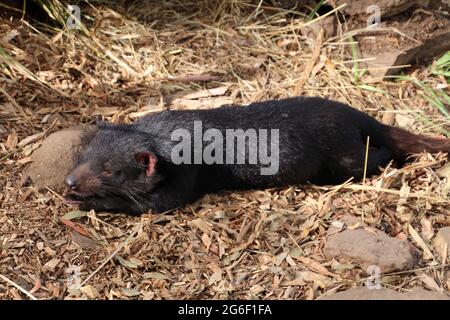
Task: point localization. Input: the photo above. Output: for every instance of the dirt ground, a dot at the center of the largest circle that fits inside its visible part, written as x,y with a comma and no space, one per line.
263,244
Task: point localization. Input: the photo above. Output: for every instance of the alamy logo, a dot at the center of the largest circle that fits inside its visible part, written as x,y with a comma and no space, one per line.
74,19
236,147
374,18
374,279
73,277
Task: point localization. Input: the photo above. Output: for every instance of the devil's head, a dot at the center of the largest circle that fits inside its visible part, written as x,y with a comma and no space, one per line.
116,166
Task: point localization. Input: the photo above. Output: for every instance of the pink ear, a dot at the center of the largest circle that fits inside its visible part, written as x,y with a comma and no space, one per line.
148,160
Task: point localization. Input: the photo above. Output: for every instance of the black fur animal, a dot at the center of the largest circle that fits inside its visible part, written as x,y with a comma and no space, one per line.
128,168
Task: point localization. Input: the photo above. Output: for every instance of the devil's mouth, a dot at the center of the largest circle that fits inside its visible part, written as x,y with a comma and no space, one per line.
72,202
76,198
80,194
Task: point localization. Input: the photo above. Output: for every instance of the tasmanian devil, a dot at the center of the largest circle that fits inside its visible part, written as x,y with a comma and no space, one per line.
168,159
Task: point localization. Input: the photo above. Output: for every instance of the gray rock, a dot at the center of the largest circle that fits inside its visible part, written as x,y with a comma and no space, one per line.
55,158
367,248
387,7
363,293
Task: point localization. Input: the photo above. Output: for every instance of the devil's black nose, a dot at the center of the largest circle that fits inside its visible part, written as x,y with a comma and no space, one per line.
71,182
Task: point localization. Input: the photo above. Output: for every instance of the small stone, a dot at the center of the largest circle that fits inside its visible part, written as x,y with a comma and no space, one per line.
366,248
364,293
442,241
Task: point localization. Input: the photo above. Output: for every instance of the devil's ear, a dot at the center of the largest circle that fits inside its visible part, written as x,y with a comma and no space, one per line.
101,123
148,161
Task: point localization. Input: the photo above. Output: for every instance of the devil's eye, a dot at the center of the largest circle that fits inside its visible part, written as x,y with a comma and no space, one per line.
107,173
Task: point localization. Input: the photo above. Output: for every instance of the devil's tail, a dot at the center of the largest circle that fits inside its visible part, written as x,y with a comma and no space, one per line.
407,142
402,142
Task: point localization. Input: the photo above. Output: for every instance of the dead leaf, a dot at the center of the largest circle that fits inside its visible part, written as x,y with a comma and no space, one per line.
404,121
444,172
75,226
25,160
280,258
193,78
295,282
310,276
127,263
314,266
206,241
338,225
28,149
37,286
12,140
256,289
219,91
83,241
222,246
430,282
427,228
90,291
51,265
205,103
215,277
136,261
105,111
155,275
74,214
427,254
30,139
202,225
131,292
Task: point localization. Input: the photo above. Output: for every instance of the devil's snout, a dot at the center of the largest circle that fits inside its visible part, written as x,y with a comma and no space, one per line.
71,182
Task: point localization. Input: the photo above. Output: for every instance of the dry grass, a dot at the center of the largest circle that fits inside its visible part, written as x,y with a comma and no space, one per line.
261,244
